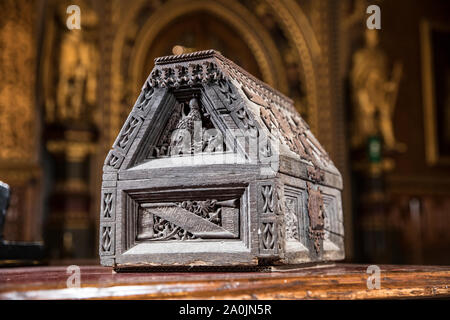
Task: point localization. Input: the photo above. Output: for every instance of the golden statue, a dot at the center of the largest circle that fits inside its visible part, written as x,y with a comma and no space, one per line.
78,70
77,76
374,94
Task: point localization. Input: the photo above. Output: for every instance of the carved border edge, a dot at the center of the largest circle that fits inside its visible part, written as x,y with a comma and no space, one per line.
316,217
268,222
130,129
107,228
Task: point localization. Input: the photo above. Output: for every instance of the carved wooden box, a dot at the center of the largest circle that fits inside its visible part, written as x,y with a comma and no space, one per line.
215,168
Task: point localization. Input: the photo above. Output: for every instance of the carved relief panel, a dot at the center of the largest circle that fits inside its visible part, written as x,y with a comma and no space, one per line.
184,216
208,219
295,217
312,219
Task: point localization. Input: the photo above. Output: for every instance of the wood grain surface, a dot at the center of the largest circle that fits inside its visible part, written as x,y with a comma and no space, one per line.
332,281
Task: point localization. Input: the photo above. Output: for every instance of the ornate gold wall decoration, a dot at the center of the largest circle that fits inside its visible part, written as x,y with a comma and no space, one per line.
17,65
19,125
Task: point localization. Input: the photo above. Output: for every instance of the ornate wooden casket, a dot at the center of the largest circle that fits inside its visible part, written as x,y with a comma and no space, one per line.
215,168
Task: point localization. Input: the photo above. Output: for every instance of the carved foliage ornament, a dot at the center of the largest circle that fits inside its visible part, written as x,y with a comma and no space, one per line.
188,220
180,75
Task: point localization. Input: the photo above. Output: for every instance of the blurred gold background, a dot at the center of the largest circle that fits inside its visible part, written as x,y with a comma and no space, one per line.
64,95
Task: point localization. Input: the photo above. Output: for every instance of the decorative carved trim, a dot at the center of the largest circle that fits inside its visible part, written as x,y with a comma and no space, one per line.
114,160
185,57
268,220
180,75
268,237
251,83
281,219
227,91
268,201
107,203
315,174
145,97
316,216
107,239
236,72
243,115
128,133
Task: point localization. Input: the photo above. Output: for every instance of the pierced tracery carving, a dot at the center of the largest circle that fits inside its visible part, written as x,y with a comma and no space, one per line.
126,135
267,195
107,205
227,91
268,236
114,160
144,98
270,220
281,220
156,228
243,115
189,220
106,239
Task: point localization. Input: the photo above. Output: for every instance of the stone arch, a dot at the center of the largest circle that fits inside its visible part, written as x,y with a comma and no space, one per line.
289,14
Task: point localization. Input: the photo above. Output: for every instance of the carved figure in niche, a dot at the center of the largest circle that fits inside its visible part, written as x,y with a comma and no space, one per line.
78,69
184,130
374,94
291,219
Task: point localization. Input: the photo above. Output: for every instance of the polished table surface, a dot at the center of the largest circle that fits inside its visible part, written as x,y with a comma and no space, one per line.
330,281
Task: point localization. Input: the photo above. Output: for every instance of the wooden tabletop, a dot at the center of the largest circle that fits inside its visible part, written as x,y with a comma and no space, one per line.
332,281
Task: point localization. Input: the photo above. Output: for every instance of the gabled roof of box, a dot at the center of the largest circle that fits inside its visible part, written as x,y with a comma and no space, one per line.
250,102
